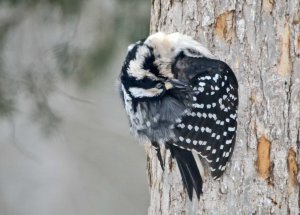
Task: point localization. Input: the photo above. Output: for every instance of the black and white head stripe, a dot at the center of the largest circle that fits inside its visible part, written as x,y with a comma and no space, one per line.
139,74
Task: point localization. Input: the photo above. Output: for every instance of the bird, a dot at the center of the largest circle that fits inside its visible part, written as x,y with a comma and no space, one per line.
179,96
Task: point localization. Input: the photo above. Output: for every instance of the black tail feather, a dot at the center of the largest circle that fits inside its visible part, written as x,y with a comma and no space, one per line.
157,148
188,169
187,182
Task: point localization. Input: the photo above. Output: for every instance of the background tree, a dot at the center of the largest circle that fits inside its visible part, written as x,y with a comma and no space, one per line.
260,40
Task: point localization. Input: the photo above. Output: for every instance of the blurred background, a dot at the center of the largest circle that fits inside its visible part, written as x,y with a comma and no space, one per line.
65,146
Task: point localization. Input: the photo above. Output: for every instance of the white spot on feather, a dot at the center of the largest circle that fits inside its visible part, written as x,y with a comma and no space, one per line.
208,130
231,128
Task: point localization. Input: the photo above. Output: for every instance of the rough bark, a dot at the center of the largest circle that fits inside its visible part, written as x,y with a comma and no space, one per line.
260,40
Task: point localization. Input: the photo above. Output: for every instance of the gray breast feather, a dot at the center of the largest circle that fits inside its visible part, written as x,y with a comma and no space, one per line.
157,118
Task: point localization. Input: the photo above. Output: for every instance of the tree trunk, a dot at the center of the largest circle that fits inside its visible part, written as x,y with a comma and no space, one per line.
260,40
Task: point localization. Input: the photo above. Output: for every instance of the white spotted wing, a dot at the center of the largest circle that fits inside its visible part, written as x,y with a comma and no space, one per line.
209,127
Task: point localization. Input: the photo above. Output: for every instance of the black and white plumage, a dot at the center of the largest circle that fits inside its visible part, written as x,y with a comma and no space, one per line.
178,95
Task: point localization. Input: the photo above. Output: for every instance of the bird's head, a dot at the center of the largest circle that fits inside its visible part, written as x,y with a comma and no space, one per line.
147,71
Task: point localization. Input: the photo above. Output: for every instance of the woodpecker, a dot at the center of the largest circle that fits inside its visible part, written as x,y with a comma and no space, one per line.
179,96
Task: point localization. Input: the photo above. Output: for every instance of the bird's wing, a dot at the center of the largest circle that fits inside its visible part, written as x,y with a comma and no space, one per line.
209,127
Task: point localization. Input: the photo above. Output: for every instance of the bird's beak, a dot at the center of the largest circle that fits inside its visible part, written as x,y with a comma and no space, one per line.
175,83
